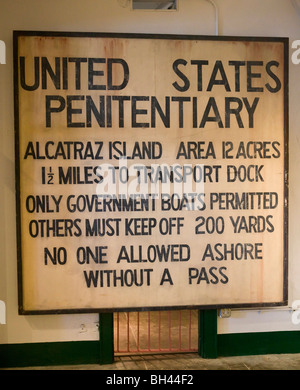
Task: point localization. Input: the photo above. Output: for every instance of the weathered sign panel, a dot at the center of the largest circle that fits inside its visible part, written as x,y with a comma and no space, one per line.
151,171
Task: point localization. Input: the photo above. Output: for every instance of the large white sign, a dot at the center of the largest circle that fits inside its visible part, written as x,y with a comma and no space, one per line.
151,171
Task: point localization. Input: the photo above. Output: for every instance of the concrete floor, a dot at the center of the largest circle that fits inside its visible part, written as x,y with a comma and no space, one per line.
189,361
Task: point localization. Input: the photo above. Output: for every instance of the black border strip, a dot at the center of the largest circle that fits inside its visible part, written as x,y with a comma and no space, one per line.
283,40
286,168
17,170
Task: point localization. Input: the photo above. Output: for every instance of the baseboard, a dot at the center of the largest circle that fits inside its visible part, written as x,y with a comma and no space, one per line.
49,354
260,343
89,352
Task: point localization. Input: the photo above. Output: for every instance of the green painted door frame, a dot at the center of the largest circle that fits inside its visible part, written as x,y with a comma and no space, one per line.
207,328
106,337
